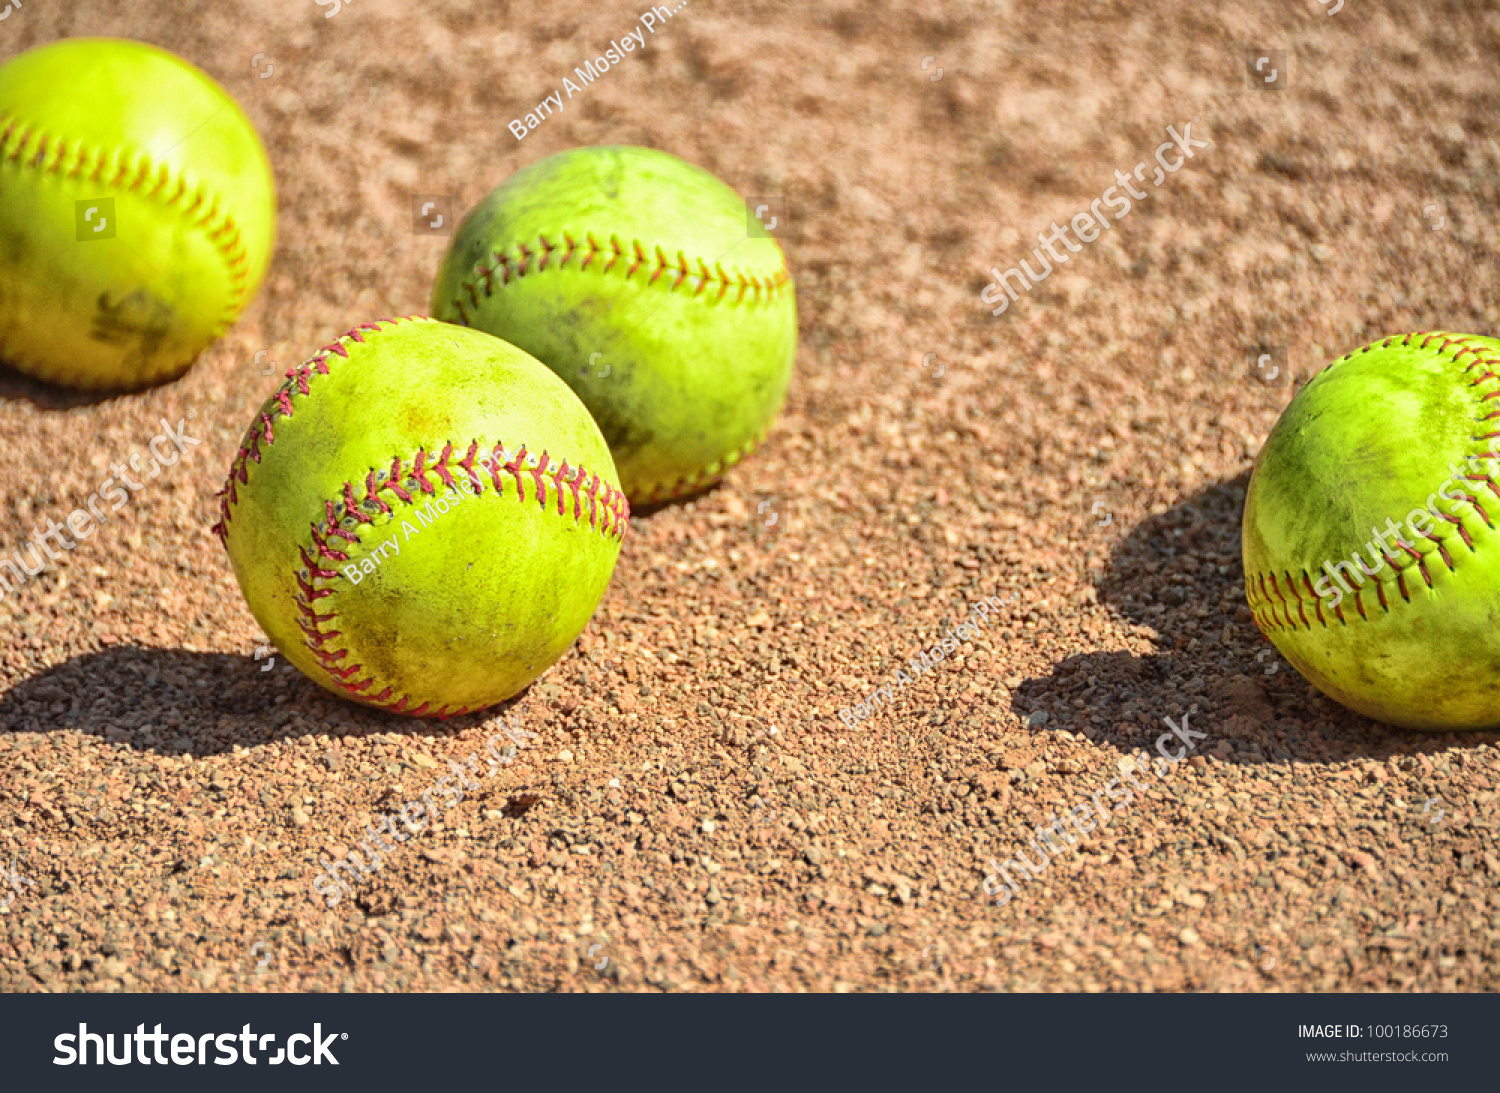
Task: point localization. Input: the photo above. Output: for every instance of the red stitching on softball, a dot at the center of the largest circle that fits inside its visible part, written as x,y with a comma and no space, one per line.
419,472
536,476
1292,584
1483,358
514,467
393,481
441,469
494,465
311,567
765,287
1316,599
1463,533
203,208
616,513
467,463
1276,589
558,478
311,622
578,473
372,493
310,592
594,501
355,688
296,378
326,551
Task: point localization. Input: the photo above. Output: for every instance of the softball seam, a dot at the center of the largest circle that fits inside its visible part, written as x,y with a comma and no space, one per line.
1272,608
501,263
686,484
609,514
764,289
135,172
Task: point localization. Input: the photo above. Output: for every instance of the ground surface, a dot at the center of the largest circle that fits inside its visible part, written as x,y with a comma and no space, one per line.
693,814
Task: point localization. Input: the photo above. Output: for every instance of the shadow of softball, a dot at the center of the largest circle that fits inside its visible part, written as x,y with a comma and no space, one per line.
175,702
18,387
1178,578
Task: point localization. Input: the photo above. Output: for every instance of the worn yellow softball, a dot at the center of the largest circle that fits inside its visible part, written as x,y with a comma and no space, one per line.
423,518
1371,542
137,211
655,293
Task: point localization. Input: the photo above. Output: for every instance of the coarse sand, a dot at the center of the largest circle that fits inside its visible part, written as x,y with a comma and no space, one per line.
692,813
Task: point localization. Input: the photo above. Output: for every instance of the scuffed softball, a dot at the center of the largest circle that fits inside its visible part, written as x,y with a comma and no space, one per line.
1372,556
652,289
422,518
137,211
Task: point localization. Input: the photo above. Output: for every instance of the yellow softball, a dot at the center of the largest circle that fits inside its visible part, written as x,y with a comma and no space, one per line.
423,518
137,211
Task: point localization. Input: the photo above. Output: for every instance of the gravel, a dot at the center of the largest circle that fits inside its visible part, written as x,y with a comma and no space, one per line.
692,803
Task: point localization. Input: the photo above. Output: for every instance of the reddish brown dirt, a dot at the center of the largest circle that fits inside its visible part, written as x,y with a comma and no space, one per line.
693,814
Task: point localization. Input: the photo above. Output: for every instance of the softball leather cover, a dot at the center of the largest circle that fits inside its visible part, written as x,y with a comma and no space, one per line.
422,518
1372,556
137,212
655,293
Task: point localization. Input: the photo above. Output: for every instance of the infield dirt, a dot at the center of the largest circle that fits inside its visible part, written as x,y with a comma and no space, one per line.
693,814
